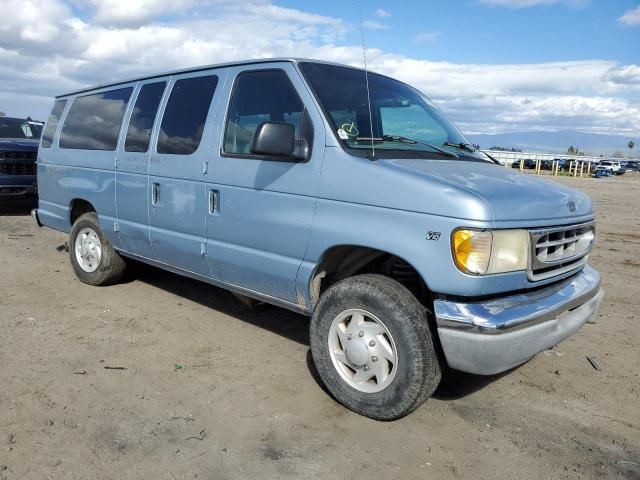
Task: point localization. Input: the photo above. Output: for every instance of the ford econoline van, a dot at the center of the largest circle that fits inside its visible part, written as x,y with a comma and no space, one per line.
344,195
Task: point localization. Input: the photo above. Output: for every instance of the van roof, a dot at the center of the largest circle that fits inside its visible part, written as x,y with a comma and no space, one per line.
204,67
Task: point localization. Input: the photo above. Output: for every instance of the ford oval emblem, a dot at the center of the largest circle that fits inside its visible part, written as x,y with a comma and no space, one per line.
572,206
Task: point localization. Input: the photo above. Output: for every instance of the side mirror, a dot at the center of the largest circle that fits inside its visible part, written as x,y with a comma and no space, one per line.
274,139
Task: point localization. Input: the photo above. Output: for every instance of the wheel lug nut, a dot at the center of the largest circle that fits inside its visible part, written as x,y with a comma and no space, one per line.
372,343
374,359
361,333
366,368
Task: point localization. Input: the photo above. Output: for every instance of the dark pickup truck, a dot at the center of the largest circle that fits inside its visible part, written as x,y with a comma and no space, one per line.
19,140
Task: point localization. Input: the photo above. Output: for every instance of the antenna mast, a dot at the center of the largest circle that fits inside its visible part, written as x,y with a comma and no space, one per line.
366,76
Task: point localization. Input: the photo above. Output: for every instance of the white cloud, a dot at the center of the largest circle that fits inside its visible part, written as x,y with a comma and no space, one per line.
373,25
628,75
549,113
426,38
382,13
129,13
532,3
631,18
51,50
32,22
445,80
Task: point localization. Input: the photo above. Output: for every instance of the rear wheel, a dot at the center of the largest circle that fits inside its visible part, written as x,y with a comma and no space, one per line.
372,347
93,258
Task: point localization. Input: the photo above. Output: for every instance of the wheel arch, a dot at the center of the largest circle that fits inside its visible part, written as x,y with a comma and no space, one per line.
78,207
343,261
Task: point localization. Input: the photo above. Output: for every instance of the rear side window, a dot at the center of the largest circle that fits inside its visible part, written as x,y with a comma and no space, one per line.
185,115
94,121
260,96
143,117
52,123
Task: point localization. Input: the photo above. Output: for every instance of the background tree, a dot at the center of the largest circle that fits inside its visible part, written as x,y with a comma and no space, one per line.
571,150
631,145
618,154
2,114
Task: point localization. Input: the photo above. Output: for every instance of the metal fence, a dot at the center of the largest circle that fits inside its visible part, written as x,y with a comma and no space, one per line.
507,158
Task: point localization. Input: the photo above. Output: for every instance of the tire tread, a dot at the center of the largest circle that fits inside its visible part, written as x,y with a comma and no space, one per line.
408,315
112,265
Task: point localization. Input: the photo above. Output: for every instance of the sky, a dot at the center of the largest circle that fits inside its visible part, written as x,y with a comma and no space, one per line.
493,66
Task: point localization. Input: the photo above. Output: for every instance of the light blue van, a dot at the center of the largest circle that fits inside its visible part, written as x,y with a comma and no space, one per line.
342,195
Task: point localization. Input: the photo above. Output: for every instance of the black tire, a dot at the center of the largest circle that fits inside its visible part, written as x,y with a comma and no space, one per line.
418,369
111,266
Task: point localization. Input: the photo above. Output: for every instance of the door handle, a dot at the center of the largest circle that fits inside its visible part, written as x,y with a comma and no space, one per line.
155,193
213,201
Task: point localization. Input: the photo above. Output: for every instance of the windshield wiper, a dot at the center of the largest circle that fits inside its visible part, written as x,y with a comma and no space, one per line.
400,138
470,148
492,159
462,146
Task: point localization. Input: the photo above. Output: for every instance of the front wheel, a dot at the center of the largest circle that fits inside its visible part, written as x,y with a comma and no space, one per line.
93,258
372,347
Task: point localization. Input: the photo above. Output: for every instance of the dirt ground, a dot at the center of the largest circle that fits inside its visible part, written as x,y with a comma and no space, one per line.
205,388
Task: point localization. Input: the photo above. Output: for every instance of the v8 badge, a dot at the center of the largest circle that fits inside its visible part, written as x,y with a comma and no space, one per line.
433,236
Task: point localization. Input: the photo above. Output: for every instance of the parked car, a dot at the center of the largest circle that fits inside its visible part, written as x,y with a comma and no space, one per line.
563,164
633,166
18,152
269,179
528,163
602,171
614,165
578,162
546,164
593,163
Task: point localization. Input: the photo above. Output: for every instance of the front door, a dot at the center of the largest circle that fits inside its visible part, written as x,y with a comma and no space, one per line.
178,202
262,207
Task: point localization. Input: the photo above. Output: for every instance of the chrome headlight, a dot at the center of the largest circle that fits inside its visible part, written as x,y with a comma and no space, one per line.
483,252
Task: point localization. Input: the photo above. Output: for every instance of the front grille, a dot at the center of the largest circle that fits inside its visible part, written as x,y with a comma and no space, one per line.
559,250
17,168
19,155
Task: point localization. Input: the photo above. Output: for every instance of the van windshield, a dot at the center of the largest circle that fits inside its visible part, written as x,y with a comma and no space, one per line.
402,123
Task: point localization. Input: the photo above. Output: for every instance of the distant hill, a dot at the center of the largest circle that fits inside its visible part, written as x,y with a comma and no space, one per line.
557,142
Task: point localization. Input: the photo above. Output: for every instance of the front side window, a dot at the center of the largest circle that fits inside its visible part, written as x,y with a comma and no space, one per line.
185,115
263,96
143,117
401,121
94,121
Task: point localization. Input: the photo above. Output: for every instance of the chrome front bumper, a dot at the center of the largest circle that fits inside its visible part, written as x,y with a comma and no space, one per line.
495,335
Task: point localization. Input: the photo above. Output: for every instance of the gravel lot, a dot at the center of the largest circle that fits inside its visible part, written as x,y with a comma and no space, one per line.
207,388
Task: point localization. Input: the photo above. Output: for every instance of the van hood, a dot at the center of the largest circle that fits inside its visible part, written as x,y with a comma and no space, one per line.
511,195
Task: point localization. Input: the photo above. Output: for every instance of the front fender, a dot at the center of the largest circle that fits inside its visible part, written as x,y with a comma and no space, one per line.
400,233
